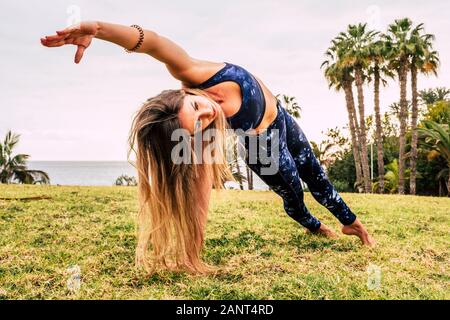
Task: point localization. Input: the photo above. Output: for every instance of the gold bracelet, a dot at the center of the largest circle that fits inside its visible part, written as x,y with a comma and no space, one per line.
141,39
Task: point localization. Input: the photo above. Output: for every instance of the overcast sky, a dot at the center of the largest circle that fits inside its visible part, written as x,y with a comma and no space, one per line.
65,111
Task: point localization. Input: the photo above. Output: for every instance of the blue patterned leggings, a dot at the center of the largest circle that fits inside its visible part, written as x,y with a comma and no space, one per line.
296,161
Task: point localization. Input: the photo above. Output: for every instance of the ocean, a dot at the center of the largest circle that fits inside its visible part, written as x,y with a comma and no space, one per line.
98,173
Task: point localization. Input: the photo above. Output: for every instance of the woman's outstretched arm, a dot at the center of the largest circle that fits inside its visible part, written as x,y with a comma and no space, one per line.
178,62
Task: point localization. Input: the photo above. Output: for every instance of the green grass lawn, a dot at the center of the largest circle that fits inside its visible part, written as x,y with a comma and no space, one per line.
261,252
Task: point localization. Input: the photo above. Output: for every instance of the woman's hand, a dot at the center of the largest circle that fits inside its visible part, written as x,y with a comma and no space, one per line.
80,35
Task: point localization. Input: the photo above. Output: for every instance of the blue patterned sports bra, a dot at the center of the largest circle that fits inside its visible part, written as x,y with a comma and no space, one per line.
253,106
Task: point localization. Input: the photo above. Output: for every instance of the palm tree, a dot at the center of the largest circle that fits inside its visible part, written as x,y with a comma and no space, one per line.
354,51
322,151
249,178
426,61
390,126
234,164
391,178
431,96
398,42
237,174
13,169
395,110
442,93
379,70
436,139
292,107
340,78
125,180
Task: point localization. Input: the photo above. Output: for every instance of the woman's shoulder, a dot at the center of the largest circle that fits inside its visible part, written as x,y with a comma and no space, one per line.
202,72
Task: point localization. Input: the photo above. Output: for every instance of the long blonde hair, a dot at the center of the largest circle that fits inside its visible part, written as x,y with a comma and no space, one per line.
168,219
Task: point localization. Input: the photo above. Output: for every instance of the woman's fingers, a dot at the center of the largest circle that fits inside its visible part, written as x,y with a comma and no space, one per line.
55,37
69,35
52,44
68,30
79,54
48,39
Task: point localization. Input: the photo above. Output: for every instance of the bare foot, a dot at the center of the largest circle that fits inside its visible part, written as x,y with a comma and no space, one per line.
324,231
357,229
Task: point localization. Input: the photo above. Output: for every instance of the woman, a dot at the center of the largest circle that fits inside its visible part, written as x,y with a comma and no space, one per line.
174,197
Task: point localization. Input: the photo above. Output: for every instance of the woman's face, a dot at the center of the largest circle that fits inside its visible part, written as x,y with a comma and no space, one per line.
197,108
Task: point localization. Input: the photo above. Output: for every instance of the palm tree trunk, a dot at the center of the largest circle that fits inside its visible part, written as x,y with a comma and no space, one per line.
350,102
379,132
354,115
249,178
448,183
403,72
357,131
362,131
414,116
238,168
